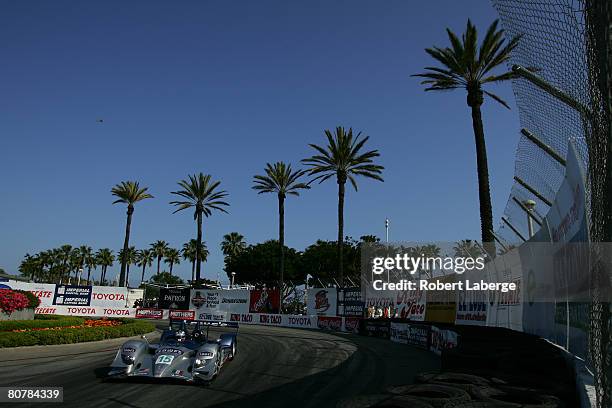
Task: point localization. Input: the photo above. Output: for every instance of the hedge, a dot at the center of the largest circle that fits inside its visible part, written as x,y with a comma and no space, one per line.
44,337
41,321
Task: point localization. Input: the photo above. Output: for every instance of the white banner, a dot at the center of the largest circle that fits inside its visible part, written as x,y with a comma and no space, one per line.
322,301
399,332
213,304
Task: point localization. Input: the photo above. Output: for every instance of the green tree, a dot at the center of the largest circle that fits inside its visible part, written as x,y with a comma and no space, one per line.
64,254
165,278
30,267
173,257
281,180
82,253
343,159
466,248
467,66
159,249
128,192
144,259
259,263
105,259
233,244
200,192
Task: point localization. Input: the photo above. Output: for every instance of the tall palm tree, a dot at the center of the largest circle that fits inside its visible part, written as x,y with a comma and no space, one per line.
128,257
91,262
233,244
128,192
200,192
281,180
105,259
342,158
173,257
159,249
144,259
467,66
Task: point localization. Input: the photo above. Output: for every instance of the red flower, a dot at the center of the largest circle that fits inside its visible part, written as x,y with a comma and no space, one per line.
11,301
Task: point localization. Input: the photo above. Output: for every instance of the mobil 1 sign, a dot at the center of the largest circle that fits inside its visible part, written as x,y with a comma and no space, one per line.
72,295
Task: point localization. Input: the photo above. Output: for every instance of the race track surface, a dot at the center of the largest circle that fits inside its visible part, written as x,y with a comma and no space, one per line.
274,367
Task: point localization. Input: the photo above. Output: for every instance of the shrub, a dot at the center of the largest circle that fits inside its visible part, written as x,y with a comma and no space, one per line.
40,322
11,300
33,299
129,328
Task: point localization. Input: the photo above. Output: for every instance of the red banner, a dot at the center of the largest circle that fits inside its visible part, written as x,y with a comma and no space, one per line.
264,301
329,323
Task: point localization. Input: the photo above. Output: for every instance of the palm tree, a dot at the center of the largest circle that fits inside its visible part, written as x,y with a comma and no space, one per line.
144,259
128,192
105,259
83,252
91,262
342,158
233,244
281,180
467,66
128,257
189,253
466,248
173,256
30,266
159,249
200,192
64,254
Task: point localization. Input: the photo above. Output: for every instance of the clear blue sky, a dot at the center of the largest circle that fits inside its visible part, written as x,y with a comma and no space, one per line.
224,87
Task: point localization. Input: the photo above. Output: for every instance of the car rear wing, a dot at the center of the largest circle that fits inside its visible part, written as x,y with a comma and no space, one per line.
214,323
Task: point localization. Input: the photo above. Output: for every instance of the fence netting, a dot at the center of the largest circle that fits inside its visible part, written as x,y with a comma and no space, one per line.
561,42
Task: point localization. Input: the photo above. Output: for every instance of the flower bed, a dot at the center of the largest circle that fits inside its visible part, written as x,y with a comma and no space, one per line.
12,301
64,330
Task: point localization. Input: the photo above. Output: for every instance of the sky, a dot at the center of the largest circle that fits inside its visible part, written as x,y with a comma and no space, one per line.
223,88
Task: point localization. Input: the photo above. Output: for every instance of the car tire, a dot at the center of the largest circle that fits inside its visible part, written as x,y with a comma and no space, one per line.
363,401
479,404
434,394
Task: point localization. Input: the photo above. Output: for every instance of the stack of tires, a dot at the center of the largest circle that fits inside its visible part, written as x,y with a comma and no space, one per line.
490,368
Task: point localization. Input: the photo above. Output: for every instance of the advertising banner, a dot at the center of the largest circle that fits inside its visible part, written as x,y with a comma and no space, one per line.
219,302
399,332
110,296
350,302
441,305
269,319
322,301
72,295
329,323
304,322
264,301
418,335
86,311
173,298
43,291
442,339
351,324
377,328
411,305
472,306
176,314
147,313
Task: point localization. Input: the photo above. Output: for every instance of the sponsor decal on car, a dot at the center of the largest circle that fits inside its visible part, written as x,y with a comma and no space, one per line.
129,350
142,371
164,359
171,351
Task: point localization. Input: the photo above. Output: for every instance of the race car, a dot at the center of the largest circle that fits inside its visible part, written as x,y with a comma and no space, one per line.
184,352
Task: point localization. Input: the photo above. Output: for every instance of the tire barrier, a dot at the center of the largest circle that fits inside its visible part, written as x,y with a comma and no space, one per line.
434,394
383,400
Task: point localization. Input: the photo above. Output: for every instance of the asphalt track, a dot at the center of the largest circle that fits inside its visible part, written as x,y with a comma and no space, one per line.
274,367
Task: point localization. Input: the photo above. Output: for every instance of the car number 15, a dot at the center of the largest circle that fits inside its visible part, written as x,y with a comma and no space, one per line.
164,359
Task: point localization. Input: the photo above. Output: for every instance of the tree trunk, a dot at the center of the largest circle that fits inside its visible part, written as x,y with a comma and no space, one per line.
484,194
144,266
341,183
199,245
281,241
88,274
126,244
171,266
192,270
127,276
158,262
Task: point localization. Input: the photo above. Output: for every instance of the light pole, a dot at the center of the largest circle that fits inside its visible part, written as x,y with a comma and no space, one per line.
387,229
233,275
529,205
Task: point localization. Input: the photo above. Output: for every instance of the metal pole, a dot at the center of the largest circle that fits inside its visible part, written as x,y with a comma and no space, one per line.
547,149
528,210
533,191
513,229
387,229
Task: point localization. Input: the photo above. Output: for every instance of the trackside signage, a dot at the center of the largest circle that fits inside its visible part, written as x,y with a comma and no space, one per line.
149,313
182,314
